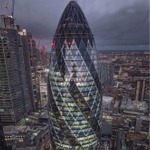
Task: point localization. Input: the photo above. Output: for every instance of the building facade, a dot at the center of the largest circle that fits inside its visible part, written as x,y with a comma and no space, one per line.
74,85
31,55
35,137
44,56
141,86
2,137
106,72
25,40
15,100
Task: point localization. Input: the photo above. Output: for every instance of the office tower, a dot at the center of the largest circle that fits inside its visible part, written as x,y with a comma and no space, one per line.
31,56
140,89
106,72
34,69
14,94
25,39
44,56
2,137
75,89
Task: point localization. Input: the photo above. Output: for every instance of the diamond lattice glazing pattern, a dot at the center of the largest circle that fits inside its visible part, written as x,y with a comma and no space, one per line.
74,86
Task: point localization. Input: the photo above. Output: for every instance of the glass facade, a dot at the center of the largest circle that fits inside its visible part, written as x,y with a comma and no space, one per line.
74,85
14,95
2,137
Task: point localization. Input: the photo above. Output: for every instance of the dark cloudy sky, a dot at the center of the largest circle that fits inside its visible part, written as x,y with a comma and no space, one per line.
113,22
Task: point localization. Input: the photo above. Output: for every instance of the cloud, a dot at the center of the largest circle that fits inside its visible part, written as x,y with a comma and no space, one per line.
127,26
112,22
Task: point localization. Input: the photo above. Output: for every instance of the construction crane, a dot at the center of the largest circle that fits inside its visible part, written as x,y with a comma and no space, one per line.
13,6
39,41
7,12
6,8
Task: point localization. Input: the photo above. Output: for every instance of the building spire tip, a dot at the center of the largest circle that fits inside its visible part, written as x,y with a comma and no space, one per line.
73,1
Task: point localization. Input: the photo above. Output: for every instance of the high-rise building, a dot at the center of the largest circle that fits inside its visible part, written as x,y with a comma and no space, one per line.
2,137
31,59
106,72
44,56
15,101
141,84
75,88
25,40
34,69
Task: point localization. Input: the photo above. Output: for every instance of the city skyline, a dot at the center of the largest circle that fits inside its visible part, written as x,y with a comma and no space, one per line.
112,23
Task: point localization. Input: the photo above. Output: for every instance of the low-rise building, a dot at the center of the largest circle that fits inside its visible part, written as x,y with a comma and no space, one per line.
35,137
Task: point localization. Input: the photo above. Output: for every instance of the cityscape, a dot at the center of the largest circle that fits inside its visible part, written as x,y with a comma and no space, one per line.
79,91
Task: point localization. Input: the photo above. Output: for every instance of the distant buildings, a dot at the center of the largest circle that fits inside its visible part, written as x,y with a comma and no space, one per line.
131,70
44,56
142,125
34,61
127,125
106,72
108,103
135,107
42,81
141,85
25,40
75,89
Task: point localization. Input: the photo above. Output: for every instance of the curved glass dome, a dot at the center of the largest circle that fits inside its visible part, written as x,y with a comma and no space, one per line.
74,86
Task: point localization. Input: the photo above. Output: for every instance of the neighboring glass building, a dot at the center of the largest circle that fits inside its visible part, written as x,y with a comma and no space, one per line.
2,137
75,89
15,101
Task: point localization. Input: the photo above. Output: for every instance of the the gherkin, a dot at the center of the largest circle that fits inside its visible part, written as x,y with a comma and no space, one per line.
74,86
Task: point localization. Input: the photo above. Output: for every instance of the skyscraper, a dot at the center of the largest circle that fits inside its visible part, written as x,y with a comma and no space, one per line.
75,89
2,137
14,94
140,89
43,56
106,72
25,39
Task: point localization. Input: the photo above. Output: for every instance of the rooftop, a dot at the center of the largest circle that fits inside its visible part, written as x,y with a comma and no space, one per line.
135,105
